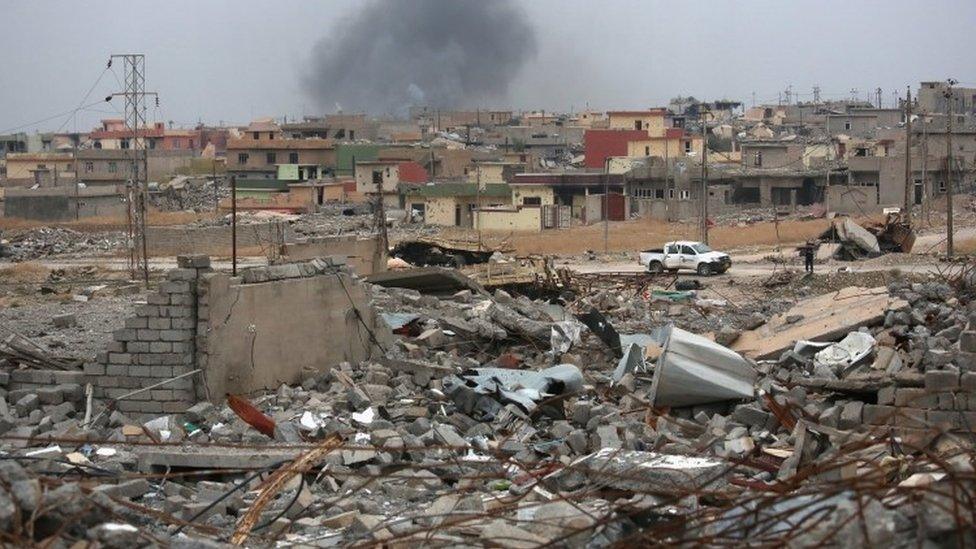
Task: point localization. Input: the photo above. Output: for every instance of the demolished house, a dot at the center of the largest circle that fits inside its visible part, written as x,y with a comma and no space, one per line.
301,405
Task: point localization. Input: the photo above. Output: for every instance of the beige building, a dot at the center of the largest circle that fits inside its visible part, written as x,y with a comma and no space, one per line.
453,204
652,121
39,168
252,158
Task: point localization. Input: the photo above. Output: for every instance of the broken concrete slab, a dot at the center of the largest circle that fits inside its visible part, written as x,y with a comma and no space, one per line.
824,318
650,472
427,280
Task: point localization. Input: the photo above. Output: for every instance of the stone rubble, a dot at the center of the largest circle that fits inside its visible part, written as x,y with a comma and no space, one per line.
864,454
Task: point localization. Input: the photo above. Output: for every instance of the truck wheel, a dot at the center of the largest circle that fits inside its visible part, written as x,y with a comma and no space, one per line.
705,269
655,267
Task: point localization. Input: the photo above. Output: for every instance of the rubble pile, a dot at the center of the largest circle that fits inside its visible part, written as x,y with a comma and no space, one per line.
493,419
183,193
26,245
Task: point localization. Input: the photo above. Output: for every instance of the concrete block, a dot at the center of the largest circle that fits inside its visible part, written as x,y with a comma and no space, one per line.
851,415
174,407
175,287
160,347
94,369
124,334
72,392
38,377
193,261
50,395
966,361
886,396
161,394
948,401
158,323
912,418
136,322
158,299
967,341
941,380
147,335
878,415
69,377
967,382
141,406
148,359
182,299
137,347
181,274
173,335
160,372
120,358
115,347
138,371
179,311
147,310
27,404
68,320
918,398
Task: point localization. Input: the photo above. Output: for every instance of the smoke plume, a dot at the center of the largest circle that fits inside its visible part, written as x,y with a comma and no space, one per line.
442,53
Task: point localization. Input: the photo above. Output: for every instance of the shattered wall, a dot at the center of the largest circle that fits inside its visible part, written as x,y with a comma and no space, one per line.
364,255
211,240
268,326
246,333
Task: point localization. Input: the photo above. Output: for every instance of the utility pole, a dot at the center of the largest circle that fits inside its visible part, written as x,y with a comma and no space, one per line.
877,94
213,175
704,176
909,182
477,206
381,214
233,224
753,99
926,190
816,94
949,190
138,189
606,206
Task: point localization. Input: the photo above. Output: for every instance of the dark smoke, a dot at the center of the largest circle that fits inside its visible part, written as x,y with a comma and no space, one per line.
441,53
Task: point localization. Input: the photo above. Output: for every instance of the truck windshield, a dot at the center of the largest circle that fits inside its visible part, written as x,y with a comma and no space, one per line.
701,248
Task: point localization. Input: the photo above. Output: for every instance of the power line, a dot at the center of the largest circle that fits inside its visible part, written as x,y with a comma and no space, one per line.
52,117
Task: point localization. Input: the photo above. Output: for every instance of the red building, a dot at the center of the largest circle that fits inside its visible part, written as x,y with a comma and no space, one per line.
602,144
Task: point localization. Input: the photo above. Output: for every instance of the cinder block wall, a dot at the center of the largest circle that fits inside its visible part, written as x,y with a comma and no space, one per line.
156,344
212,240
268,326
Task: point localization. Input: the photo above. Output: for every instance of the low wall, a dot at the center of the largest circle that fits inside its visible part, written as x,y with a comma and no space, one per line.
271,325
364,255
525,219
61,207
256,333
214,240
852,200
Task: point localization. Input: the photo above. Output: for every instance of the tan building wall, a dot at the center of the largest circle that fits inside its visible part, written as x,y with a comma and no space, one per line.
509,220
489,173
671,148
521,192
23,165
650,121
364,176
440,211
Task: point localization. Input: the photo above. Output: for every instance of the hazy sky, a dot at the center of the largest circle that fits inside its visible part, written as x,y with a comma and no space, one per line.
231,60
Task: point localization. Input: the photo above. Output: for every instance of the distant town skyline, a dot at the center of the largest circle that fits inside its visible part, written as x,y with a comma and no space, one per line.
236,61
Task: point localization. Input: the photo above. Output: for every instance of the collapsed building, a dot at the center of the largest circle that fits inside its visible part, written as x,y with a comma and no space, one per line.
300,403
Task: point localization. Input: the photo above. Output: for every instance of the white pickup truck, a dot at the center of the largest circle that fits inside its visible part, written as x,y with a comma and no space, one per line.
687,255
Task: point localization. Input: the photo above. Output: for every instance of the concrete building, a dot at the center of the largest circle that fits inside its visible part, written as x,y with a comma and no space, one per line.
650,121
114,166
453,204
63,203
259,158
373,175
931,98
113,135
863,122
341,127
44,169
771,154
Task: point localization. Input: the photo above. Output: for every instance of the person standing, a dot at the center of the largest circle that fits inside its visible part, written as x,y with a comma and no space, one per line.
808,250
